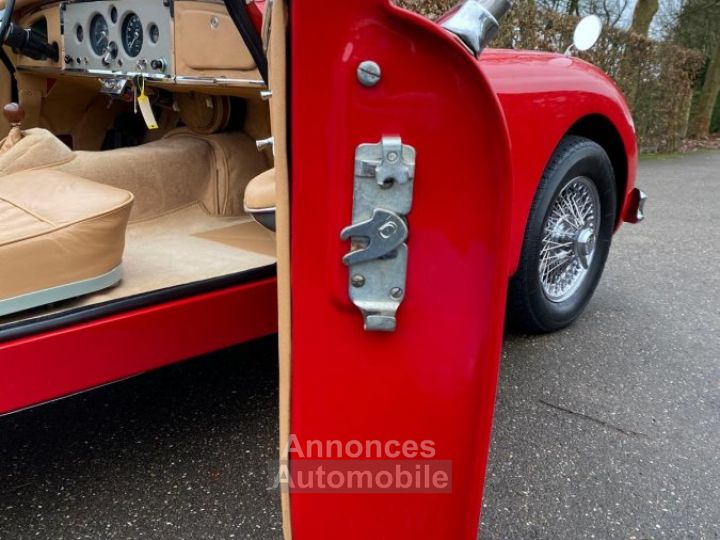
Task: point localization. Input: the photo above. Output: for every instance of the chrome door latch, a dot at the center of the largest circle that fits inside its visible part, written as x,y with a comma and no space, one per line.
382,198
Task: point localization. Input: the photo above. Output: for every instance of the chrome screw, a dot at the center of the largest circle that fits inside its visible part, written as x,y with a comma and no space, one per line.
392,156
369,73
397,293
358,280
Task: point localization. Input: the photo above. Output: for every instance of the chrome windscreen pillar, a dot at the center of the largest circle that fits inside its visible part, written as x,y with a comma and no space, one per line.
476,22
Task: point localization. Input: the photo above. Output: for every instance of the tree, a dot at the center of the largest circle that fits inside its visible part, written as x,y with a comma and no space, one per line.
611,10
645,11
703,114
665,21
698,26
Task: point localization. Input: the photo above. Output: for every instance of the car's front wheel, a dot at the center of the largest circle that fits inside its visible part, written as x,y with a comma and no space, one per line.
567,239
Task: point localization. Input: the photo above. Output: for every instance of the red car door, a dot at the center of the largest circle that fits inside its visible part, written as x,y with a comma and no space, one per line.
393,125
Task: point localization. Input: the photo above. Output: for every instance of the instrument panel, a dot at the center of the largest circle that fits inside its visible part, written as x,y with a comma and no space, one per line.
124,37
172,42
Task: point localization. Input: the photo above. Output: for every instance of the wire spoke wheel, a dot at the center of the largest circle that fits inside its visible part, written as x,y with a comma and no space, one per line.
569,239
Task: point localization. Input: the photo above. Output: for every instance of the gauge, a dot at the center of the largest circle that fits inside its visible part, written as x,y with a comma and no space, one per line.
132,35
154,33
99,35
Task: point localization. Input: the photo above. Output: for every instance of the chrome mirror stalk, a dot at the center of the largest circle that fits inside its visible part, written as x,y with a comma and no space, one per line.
476,22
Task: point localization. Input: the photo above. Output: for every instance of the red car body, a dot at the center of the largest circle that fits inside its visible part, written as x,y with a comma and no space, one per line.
484,131
545,97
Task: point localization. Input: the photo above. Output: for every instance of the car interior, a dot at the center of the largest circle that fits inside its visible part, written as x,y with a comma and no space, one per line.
136,154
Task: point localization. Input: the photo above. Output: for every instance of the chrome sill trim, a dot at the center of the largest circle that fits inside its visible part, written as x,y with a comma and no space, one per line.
45,297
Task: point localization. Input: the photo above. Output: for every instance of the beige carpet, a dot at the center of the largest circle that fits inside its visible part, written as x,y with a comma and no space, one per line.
185,246
168,251
248,236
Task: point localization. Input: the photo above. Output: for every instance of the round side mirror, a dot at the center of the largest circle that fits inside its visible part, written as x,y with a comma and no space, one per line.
587,32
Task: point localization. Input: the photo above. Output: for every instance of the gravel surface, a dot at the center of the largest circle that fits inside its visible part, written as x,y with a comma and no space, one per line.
610,429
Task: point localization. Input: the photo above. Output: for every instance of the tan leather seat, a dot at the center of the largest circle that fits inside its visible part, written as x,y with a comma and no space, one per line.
260,199
164,175
61,236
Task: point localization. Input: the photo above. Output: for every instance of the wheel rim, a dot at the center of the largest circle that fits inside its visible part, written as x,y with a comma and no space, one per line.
569,239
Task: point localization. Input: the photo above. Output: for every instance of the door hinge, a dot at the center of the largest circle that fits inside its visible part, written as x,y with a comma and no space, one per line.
382,199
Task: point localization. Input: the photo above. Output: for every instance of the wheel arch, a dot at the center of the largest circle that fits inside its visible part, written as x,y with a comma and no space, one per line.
601,130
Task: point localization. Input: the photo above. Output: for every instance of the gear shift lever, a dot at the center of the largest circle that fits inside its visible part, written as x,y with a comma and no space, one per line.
14,114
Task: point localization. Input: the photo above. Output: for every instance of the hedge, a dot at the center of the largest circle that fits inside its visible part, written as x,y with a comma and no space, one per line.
657,78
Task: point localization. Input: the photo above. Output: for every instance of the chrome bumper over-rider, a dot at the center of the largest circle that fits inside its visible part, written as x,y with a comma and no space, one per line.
636,211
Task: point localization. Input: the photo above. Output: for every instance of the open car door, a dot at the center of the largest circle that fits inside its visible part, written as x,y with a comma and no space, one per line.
393,282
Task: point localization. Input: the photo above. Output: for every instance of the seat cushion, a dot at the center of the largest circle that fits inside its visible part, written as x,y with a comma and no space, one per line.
177,171
165,175
260,192
260,199
57,229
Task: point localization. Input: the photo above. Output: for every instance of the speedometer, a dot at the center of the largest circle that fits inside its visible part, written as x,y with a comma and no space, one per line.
132,35
99,35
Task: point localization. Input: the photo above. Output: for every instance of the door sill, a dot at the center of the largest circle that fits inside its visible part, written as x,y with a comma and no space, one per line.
49,323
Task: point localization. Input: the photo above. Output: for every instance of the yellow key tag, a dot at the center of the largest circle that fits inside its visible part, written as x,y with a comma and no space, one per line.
146,109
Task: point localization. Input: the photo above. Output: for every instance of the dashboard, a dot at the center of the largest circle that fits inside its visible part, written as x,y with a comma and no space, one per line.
130,37
192,42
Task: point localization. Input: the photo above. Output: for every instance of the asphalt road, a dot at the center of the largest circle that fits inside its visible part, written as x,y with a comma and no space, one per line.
610,429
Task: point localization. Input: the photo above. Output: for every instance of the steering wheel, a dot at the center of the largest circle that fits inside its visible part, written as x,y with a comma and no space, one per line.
6,18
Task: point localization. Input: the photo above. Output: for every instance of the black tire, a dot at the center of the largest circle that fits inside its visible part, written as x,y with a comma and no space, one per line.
529,307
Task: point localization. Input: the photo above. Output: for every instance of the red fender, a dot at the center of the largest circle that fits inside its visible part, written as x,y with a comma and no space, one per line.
543,96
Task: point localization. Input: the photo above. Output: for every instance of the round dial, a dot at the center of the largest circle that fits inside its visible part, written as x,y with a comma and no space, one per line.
99,35
132,35
154,33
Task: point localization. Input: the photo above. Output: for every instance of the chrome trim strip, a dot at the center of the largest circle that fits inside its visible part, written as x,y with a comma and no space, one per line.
59,293
167,79
220,81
